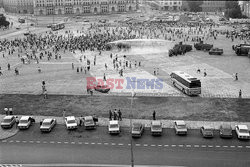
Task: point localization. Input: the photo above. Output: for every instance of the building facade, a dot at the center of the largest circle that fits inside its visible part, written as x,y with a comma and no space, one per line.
170,5
60,7
245,7
19,6
213,6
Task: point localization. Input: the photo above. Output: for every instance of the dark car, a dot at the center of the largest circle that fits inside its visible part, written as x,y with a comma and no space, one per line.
137,130
226,131
215,51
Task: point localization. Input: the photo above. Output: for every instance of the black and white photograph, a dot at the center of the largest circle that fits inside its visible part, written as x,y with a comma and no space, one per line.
125,83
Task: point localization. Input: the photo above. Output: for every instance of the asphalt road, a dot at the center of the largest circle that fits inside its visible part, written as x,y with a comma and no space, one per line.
98,147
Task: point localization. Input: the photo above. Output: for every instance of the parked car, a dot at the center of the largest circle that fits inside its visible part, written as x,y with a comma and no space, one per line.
114,127
226,131
137,129
242,132
207,131
25,122
89,122
71,122
48,125
20,20
8,121
156,127
215,51
180,127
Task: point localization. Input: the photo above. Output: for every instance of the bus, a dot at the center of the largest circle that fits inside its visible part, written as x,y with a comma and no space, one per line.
58,26
186,83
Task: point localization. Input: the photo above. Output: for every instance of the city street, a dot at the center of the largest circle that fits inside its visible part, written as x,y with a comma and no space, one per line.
98,147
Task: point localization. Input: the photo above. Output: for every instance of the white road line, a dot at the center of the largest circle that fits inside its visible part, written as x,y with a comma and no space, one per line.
79,142
152,145
217,146
37,141
173,145
137,144
86,143
17,141
51,142
196,146
120,144
113,144
31,141
24,141
210,146
188,145
44,142
92,143
203,146
59,142
232,146
159,145
247,146
72,142
145,145
66,142
11,141
99,143
225,146
180,145
239,146
106,144
4,141
166,145
129,144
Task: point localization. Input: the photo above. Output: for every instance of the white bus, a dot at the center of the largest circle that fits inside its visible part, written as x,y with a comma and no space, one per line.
58,26
186,83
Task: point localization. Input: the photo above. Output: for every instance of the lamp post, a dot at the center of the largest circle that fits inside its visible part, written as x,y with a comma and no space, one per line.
130,121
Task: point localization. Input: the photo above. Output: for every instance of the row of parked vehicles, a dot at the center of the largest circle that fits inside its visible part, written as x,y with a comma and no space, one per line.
114,127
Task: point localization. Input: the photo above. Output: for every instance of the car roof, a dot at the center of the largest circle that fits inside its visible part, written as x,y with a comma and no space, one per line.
8,117
113,122
243,127
70,118
156,122
88,118
25,117
180,122
48,120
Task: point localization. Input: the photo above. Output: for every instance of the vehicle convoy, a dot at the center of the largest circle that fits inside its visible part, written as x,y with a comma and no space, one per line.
180,49
180,128
242,49
57,26
8,121
89,122
242,132
137,129
203,46
207,131
25,122
215,51
156,128
186,83
114,127
70,122
47,125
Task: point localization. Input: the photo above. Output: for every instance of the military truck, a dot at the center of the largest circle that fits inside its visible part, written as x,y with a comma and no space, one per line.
242,49
215,51
180,49
203,46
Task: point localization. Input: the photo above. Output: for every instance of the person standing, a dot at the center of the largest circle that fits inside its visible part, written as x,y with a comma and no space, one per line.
8,66
236,77
240,93
154,115
119,115
110,115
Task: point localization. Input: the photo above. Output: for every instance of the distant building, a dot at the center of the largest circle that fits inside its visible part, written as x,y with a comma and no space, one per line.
245,7
60,7
19,6
170,5
213,6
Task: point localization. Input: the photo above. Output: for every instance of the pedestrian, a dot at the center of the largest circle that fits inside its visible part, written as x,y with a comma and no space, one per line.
104,77
80,120
154,115
205,73
115,115
236,77
198,70
8,66
119,115
110,115
45,95
240,94
77,69
81,69
73,66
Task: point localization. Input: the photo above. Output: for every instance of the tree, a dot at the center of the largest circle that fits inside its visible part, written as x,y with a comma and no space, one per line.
233,9
3,21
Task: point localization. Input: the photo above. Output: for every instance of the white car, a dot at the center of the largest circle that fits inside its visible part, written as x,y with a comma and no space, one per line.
180,128
48,125
8,121
25,122
242,132
156,127
114,127
71,122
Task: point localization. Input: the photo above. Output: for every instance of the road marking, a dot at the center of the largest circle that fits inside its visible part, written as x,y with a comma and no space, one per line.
17,141
247,146
99,143
129,144
239,146
152,145
31,141
44,142
210,146
196,146
232,146
4,141
217,146
79,142
59,142
180,145
225,146
159,145
173,145
166,145
86,143
92,143
24,141
113,144
106,144
51,142
72,142
188,145
203,146
120,144
145,145
66,142
37,141
11,141
137,144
